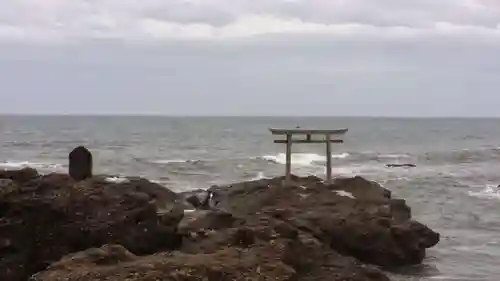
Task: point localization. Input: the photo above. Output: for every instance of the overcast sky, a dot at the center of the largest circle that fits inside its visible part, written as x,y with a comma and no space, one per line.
251,57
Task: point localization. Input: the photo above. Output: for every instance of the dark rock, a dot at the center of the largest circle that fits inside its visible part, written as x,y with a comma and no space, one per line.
200,199
307,255
211,220
235,253
56,216
7,186
194,200
362,188
157,194
21,176
400,210
171,218
191,199
261,230
243,237
230,264
48,184
105,255
359,227
80,163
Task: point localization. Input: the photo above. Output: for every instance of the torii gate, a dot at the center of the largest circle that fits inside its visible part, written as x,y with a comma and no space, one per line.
308,133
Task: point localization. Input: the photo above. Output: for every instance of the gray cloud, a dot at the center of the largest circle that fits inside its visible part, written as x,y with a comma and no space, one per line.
59,20
272,77
251,57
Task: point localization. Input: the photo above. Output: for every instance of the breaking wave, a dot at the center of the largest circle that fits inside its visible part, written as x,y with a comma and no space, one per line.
116,179
259,176
301,159
393,156
489,192
35,165
169,161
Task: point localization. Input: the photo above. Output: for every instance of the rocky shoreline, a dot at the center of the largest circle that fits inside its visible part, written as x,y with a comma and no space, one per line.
53,228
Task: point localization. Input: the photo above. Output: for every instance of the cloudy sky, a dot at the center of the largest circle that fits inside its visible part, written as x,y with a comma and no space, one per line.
251,57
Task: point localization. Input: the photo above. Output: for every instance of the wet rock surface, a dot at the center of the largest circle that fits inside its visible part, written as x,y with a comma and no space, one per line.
51,216
53,228
353,216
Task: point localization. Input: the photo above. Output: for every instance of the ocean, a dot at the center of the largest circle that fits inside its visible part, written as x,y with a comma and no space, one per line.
453,187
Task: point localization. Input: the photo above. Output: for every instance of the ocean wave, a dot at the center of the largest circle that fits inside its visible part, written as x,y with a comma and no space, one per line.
35,165
366,156
160,182
465,155
259,176
116,179
447,277
174,161
301,159
392,156
169,161
451,156
363,170
298,159
489,192
20,144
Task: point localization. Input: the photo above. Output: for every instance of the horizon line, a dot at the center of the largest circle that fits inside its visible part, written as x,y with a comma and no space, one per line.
239,116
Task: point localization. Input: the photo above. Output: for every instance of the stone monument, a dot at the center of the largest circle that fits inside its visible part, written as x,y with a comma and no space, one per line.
80,163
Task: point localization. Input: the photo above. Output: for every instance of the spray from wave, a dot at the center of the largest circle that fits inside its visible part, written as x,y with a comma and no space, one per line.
489,192
25,164
259,176
169,161
392,156
301,159
116,179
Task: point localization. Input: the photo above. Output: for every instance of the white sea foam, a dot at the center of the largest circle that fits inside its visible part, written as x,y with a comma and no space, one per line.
354,170
489,192
116,179
393,156
341,156
169,161
24,164
301,159
345,194
343,171
259,176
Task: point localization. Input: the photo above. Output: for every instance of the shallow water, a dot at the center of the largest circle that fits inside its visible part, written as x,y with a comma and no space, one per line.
452,189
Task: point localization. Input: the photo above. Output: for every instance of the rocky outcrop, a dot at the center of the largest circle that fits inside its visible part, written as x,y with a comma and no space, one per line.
217,247
52,216
258,230
255,264
353,216
157,194
20,176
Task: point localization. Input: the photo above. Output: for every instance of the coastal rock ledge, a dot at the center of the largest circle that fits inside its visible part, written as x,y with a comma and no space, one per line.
54,229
